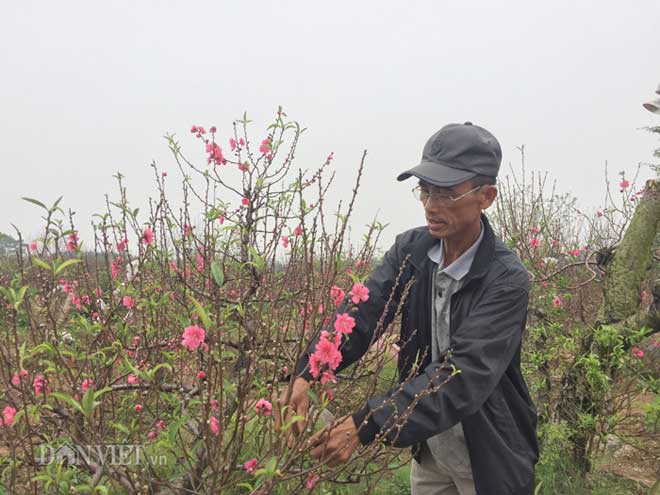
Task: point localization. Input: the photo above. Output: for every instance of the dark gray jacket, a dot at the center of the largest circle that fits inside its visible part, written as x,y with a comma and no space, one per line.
489,395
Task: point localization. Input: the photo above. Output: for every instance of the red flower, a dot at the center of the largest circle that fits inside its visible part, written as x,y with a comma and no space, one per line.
192,337
72,242
265,146
128,302
148,236
8,414
214,425
326,353
40,385
359,293
344,324
86,384
337,295
637,352
250,466
264,407
312,479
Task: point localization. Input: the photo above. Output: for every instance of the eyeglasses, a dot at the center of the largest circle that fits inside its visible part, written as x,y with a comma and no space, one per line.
422,194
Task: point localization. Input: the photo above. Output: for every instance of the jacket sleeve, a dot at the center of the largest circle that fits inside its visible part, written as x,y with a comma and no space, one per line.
481,349
383,288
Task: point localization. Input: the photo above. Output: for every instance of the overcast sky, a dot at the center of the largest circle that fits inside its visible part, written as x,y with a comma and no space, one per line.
88,88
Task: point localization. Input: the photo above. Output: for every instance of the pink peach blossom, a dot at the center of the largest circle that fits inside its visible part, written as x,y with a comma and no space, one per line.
121,245
192,337
128,302
8,414
40,385
72,242
312,479
359,293
214,425
263,407
250,466
265,146
337,295
344,324
637,352
148,236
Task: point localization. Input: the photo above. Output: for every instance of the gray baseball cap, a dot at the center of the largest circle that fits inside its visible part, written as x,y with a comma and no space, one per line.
456,153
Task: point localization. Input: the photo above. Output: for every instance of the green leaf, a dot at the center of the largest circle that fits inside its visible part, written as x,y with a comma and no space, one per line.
41,263
20,296
99,393
152,372
56,203
270,467
218,276
88,402
259,262
202,313
65,264
312,395
173,430
69,400
121,427
36,202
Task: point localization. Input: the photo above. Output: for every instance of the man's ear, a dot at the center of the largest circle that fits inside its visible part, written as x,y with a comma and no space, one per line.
488,195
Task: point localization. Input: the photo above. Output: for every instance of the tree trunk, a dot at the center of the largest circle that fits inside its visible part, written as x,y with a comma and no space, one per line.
624,277
632,260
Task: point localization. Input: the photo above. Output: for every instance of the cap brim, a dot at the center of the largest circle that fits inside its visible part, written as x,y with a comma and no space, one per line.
437,174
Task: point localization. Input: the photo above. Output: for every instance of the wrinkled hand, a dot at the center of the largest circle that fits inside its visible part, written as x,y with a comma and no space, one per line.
298,406
335,443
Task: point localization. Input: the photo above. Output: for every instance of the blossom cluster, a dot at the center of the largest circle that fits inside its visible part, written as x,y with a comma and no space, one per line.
326,356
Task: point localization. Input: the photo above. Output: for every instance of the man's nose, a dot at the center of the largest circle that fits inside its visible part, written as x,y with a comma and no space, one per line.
431,206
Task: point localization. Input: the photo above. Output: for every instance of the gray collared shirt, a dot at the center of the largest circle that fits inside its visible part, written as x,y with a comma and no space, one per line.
448,447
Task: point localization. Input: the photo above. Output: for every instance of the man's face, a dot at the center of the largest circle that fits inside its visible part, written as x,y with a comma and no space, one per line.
457,218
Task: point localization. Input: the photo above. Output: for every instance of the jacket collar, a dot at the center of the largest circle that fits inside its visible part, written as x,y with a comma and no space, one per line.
419,253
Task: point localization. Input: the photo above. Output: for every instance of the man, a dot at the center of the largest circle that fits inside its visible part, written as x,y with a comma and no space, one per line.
466,310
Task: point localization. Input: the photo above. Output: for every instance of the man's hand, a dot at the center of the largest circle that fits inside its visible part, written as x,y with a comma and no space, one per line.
298,406
335,443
